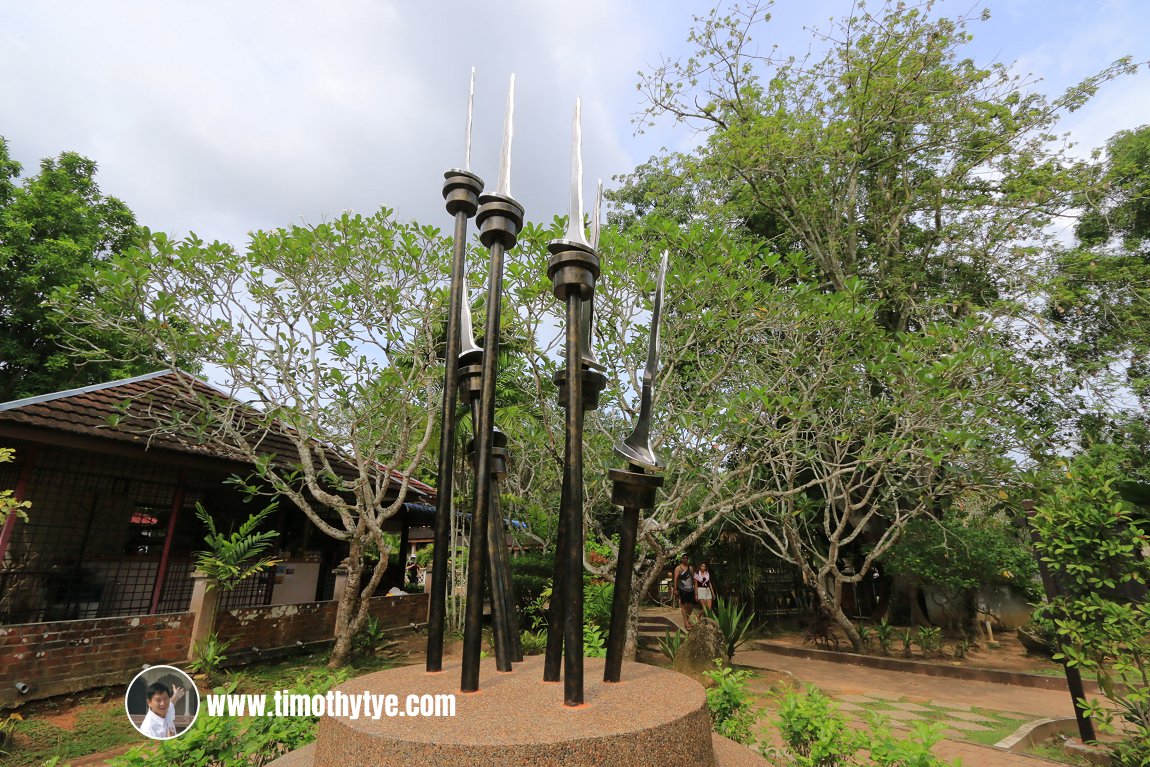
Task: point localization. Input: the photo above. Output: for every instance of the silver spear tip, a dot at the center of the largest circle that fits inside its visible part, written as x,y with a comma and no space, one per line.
575,209
466,326
504,188
470,108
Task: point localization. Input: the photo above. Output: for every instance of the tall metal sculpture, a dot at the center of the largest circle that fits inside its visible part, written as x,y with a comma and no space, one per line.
461,190
500,218
634,489
573,269
470,375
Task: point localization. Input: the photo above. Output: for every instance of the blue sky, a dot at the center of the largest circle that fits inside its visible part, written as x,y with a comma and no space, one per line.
222,117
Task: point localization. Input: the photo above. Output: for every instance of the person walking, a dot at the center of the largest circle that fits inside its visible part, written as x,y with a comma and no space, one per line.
684,579
704,587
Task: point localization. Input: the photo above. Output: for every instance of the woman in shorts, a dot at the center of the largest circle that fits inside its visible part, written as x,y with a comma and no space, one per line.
684,579
704,587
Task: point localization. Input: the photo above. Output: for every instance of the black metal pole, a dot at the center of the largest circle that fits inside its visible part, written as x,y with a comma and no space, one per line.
621,600
633,489
500,620
1073,675
461,191
573,510
557,609
500,218
504,567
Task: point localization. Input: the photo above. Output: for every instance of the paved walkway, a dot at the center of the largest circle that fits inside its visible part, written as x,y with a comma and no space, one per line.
906,696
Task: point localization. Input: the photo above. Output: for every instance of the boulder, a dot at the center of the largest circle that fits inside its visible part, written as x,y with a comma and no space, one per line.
699,650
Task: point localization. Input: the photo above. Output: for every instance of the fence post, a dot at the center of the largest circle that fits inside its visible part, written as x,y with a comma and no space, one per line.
205,603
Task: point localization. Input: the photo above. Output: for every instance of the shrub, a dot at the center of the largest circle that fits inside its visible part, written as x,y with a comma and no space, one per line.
208,655
670,643
530,574
369,637
231,559
593,641
597,599
815,734
729,702
225,741
533,642
885,633
1093,539
734,625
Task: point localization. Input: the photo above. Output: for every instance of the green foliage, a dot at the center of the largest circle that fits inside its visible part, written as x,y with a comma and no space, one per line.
887,750
53,227
961,648
537,609
424,556
962,553
597,598
885,633
533,642
370,637
7,725
223,741
1100,300
878,201
330,332
729,702
8,504
230,559
531,574
815,734
594,641
670,643
734,625
928,639
1092,540
208,655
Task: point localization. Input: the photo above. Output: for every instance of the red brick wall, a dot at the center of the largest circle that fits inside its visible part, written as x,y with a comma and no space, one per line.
65,656
275,626
62,657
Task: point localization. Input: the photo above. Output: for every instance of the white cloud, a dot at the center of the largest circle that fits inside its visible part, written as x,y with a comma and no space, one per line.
223,117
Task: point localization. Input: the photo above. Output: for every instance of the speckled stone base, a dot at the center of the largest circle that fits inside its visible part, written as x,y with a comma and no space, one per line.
653,717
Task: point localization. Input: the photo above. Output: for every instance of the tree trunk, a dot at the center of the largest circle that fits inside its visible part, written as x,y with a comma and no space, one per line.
631,645
348,606
832,602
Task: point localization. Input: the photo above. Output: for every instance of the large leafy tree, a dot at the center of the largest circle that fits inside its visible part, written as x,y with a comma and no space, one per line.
1101,299
323,336
912,189
886,155
1095,542
52,226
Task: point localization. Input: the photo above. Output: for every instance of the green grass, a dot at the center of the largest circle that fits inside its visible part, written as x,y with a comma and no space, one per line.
998,726
1055,753
101,724
98,727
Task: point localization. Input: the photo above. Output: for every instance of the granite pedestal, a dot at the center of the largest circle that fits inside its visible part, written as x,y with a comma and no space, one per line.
653,717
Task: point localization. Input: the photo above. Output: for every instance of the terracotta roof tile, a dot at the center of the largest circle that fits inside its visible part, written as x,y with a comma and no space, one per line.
130,411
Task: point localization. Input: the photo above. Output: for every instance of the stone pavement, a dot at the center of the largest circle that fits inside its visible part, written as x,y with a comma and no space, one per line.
905,698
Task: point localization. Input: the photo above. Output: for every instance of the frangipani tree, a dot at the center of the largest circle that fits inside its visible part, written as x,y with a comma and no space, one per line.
324,339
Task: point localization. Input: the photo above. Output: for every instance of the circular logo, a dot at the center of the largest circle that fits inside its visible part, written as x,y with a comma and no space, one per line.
162,702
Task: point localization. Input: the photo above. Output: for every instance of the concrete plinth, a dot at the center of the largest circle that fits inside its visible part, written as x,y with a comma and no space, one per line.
653,717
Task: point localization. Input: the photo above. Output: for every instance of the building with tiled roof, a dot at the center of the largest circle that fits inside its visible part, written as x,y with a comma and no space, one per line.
113,472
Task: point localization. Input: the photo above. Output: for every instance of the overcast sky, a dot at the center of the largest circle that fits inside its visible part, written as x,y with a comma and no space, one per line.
222,117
